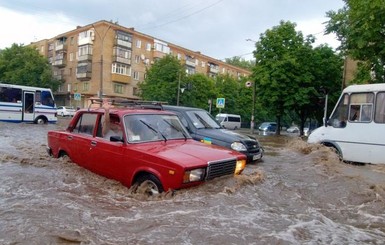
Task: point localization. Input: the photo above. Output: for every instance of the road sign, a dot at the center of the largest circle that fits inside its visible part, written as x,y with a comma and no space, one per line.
220,102
77,96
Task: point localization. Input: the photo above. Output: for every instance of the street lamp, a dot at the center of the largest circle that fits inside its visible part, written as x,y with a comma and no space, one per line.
248,84
101,58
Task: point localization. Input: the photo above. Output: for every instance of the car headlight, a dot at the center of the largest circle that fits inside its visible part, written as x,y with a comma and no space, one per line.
238,146
241,164
193,175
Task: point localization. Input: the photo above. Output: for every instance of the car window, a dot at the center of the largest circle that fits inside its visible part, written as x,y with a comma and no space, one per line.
201,119
86,124
142,128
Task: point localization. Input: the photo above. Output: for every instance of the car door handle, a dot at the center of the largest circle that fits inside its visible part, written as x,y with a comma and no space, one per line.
69,137
93,143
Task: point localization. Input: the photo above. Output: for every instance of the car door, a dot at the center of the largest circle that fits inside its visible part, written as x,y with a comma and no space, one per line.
81,139
105,156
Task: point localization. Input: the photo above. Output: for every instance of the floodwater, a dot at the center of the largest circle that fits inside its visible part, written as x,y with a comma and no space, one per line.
298,194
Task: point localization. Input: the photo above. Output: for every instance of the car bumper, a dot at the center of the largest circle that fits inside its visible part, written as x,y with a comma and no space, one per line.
252,157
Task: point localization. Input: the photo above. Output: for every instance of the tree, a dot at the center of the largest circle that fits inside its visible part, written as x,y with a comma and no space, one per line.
24,65
278,73
360,27
291,76
198,89
161,83
242,63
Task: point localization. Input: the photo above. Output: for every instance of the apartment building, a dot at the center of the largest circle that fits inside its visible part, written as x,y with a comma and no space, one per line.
107,58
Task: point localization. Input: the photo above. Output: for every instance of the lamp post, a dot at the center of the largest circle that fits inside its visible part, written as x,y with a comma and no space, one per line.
248,84
101,58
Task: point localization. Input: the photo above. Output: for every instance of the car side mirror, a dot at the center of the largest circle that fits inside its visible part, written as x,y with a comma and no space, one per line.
116,139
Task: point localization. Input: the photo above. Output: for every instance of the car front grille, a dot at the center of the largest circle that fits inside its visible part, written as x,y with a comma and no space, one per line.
221,168
252,146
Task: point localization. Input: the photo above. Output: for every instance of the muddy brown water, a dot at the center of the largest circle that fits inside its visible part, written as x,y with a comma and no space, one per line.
298,194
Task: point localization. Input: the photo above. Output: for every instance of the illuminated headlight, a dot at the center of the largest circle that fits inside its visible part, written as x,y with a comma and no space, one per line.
193,175
241,164
238,146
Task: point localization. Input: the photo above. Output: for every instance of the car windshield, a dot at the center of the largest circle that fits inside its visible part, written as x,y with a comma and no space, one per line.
219,118
202,119
147,127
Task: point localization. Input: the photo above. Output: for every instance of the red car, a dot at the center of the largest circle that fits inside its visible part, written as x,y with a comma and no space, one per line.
149,148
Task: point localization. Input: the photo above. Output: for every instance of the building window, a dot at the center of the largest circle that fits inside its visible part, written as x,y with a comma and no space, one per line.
72,41
179,56
124,36
121,69
71,56
203,64
136,75
135,91
118,88
85,86
138,44
148,46
122,52
85,50
137,59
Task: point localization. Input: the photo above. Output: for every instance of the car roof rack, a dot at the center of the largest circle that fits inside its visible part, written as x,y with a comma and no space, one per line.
141,104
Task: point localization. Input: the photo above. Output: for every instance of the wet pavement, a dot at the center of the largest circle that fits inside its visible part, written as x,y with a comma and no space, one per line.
298,194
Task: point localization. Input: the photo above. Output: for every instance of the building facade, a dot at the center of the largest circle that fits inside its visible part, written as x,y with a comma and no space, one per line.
109,59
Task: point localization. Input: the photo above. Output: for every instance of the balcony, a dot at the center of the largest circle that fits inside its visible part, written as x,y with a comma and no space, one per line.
60,47
84,75
120,78
190,62
123,43
158,54
87,57
60,62
121,60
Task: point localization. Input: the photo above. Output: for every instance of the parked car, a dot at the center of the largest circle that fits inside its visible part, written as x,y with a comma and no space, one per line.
66,111
204,128
153,149
293,129
267,127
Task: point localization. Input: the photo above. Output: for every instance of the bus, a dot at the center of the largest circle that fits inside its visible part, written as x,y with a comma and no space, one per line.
27,104
356,128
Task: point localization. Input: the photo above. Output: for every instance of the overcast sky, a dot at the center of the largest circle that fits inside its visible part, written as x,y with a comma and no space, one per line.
217,28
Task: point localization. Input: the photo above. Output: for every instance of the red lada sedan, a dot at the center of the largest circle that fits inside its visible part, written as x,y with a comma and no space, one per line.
143,147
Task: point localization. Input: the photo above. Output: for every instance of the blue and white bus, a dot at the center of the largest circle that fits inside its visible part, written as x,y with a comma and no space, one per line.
27,104
356,128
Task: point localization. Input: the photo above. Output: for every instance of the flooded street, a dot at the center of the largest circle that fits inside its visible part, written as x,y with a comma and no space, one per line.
298,194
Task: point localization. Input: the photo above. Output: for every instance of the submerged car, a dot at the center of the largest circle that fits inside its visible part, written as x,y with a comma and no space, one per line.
267,127
148,147
204,128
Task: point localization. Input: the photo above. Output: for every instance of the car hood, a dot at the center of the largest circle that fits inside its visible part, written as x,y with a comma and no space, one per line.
223,135
188,153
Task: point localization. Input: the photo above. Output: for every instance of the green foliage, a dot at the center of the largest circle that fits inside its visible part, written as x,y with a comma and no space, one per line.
198,89
23,65
161,83
242,63
292,76
360,26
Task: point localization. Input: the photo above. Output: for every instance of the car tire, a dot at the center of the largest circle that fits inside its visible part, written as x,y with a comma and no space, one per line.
149,185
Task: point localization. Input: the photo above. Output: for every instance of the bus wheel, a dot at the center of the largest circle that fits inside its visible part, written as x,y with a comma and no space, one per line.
40,120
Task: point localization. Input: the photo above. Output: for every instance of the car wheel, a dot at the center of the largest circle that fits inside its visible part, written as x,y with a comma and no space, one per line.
149,185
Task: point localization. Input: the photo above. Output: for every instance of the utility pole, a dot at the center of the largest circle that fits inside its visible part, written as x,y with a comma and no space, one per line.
101,58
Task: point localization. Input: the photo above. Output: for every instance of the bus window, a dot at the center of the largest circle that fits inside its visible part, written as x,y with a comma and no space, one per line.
339,117
361,107
10,95
380,108
46,98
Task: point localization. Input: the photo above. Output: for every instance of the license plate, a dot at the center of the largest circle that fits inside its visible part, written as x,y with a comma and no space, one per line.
256,157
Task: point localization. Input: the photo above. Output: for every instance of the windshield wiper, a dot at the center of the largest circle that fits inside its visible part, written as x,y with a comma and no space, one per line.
153,129
177,129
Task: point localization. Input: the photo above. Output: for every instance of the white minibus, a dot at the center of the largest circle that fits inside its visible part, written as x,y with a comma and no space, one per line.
229,121
26,104
356,128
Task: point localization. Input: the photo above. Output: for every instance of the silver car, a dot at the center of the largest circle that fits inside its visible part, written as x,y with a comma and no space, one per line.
66,111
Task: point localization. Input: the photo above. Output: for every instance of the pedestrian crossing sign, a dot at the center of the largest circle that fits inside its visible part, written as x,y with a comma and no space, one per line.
220,102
